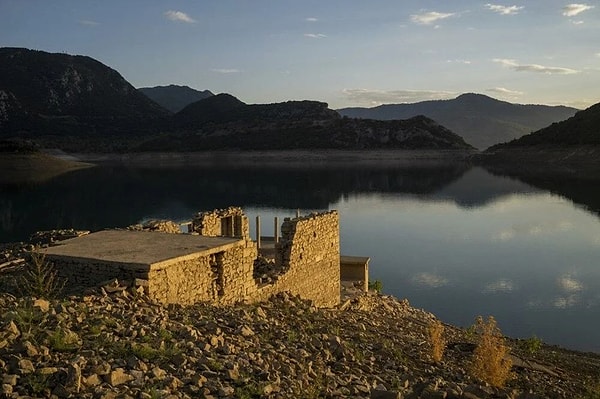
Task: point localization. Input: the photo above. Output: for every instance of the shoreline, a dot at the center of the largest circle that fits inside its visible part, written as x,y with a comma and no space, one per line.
275,157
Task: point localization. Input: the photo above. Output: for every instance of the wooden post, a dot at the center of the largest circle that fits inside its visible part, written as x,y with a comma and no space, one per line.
297,213
276,229
258,232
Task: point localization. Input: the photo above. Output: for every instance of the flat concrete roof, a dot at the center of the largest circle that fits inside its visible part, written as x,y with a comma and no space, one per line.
355,260
139,247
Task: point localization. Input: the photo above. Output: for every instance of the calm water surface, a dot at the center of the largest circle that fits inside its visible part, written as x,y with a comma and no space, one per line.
458,242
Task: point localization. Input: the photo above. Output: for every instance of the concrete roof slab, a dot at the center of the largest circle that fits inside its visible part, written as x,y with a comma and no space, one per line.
139,247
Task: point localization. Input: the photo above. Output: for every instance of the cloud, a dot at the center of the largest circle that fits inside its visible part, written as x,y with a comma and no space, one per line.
577,22
535,67
315,35
500,286
179,16
311,19
504,10
430,280
570,10
466,62
377,97
532,230
226,70
505,91
569,284
429,18
88,22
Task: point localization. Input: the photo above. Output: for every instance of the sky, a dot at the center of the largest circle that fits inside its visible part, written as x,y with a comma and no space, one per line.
343,52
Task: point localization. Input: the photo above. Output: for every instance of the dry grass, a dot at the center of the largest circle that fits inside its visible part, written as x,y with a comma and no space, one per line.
490,361
436,340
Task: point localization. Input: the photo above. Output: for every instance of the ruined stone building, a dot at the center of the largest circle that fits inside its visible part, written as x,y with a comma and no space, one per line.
214,263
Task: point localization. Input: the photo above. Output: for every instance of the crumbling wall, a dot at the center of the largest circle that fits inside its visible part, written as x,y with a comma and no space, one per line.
309,250
218,276
228,222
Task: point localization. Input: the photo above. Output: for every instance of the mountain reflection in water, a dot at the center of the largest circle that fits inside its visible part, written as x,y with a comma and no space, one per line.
455,240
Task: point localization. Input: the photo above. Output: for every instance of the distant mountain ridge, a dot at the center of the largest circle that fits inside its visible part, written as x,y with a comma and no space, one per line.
481,120
174,97
225,122
78,104
64,94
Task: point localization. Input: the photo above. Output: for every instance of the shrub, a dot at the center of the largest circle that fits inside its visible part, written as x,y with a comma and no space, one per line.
376,286
39,278
490,362
531,345
436,339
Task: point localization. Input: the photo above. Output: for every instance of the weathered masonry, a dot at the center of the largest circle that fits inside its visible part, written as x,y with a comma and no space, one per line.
215,263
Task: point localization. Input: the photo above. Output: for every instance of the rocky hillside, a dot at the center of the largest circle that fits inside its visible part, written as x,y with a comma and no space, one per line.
224,122
481,120
43,92
575,141
174,97
114,343
581,129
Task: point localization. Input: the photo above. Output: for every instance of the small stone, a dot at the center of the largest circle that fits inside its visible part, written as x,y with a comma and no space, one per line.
73,381
7,389
47,370
43,304
92,380
246,331
26,366
12,328
381,394
159,373
10,379
226,391
118,377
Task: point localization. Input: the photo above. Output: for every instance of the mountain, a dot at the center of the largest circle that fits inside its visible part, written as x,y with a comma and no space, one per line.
173,97
77,104
481,120
225,122
58,94
581,129
575,141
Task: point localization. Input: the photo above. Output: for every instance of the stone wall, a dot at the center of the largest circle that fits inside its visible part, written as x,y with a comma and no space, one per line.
84,272
223,277
228,222
309,252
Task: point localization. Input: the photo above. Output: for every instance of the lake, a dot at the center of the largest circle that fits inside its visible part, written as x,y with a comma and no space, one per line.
455,240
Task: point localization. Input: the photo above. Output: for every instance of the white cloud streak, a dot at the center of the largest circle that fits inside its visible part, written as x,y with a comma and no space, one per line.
505,91
430,280
429,18
311,19
179,16
378,97
225,70
549,70
570,10
88,22
315,35
504,10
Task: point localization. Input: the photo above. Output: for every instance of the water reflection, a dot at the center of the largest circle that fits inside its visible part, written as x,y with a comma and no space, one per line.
459,242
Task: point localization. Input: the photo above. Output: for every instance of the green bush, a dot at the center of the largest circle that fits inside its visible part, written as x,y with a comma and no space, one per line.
376,286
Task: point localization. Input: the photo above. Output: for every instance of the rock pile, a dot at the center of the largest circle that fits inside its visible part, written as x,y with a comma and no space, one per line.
115,343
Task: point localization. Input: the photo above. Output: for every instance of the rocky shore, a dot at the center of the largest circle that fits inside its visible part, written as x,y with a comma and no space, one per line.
113,342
